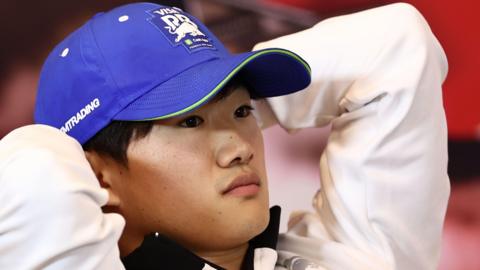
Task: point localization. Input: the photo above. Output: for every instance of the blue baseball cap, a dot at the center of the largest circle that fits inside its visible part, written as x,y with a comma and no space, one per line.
144,61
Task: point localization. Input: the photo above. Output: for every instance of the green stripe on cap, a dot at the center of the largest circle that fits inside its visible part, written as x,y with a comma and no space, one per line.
228,77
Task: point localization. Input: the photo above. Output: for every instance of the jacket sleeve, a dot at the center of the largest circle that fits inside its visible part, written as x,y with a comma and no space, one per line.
376,78
50,205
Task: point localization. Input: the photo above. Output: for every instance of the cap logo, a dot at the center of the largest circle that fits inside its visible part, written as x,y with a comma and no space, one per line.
179,29
84,112
181,26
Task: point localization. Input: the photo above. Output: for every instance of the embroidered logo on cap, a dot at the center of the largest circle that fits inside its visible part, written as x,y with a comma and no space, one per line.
179,29
80,115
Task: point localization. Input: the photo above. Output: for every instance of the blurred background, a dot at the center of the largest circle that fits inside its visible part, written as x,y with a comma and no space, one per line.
30,29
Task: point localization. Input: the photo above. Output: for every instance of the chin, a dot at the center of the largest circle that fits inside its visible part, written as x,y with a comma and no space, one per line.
251,223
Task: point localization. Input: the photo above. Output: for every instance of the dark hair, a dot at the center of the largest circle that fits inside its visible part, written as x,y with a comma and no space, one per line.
113,140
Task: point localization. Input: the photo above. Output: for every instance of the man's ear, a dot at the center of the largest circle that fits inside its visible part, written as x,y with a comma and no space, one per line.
104,170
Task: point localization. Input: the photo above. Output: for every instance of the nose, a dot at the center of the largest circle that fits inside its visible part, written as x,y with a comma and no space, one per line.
233,150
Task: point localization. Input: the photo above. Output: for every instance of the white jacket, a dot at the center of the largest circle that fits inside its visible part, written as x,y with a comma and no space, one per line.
376,78
50,199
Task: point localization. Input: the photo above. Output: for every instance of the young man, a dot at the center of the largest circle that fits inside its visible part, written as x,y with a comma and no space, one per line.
163,113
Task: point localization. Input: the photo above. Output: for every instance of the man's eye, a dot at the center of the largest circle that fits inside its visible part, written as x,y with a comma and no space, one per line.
243,111
191,122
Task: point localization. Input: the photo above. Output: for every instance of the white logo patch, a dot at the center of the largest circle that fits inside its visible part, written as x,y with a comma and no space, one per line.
179,28
181,25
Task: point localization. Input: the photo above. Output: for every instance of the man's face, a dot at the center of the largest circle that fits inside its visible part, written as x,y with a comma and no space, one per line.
178,177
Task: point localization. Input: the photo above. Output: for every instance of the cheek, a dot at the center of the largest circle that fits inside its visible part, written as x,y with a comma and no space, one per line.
162,184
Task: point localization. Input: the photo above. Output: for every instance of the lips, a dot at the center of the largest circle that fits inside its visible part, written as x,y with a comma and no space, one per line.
243,185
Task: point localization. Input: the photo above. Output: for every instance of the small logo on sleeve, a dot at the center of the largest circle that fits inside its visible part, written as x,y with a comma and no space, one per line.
179,29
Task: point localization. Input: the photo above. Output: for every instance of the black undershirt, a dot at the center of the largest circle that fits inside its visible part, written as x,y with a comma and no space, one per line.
160,252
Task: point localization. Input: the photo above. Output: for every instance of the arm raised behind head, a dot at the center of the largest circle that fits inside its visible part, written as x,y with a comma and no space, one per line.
376,78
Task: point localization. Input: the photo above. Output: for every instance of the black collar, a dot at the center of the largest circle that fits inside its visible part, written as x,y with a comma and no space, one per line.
160,252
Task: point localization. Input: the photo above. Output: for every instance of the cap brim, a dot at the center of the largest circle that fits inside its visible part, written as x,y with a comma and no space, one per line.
268,73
